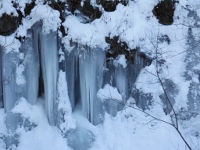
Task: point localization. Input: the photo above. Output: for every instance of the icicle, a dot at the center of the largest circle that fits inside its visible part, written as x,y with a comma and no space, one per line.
1,82
49,59
123,79
9,79
91,79
72,75
121,82
31,62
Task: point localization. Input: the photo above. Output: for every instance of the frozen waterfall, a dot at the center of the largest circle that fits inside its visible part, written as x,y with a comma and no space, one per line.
66,85
84,71
49,62
1,82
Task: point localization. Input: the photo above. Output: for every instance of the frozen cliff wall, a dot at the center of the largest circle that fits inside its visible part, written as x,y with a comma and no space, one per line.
63,54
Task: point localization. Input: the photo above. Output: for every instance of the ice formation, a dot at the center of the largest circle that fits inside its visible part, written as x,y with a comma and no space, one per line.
86,72
65,68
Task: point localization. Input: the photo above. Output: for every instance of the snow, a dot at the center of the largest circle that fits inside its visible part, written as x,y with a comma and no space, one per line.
41,137
122,22
64,104
109,92
121,60
48,16
131,128
8,9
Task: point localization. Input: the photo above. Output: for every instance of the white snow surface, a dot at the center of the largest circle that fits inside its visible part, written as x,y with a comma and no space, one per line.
121,60
109,92
41,137
64,103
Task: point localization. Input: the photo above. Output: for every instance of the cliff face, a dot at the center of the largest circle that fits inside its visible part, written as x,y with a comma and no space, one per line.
95,71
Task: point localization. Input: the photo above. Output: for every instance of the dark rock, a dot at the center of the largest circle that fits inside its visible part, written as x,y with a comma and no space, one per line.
20,16
91,12
60,6
29,7
62,30
73,5
110,5
117,48
164,11
8,24
164,38
20,38
87,11
27,10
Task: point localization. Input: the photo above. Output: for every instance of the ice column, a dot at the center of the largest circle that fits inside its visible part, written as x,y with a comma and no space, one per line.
31,62
72,75
121,81
9,76
91,63
1,83
49,61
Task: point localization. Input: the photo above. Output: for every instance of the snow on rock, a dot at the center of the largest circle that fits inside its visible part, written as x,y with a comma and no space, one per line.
42,136
7,7
66,121
121,60
131,23
48,16
132,129
27,110
109,92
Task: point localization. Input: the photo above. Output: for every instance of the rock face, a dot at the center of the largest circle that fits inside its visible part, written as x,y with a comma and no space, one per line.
164,12
8,24
90,11
110,5
118,47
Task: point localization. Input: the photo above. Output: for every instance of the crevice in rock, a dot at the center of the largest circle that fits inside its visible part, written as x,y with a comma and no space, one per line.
41,84
41,80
